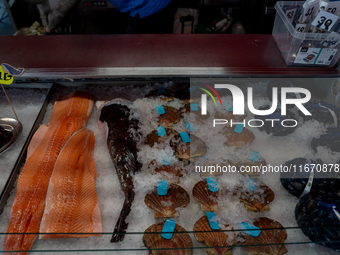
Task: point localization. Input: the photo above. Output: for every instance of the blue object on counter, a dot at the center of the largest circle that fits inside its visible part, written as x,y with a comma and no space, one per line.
212,184
185,137
161,131
168,229
160,109
239,128
213,221
250,229
162,188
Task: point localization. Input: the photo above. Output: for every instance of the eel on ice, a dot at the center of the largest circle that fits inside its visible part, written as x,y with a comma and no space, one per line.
123,151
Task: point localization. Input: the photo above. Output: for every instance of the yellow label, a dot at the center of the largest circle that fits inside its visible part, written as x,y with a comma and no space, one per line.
5,78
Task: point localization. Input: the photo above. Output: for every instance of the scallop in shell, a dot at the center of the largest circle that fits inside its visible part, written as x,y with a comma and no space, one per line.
167,205
153,137
238,139
272,232
167,171
257,199
170,117
212,238
178,240
183,150
207,198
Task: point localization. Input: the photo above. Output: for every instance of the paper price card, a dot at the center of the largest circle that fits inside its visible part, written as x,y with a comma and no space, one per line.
310,12
290,14
325,20
333,7
5,78
300,28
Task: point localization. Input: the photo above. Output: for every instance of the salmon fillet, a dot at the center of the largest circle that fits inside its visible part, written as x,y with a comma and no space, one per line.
71,203
29,203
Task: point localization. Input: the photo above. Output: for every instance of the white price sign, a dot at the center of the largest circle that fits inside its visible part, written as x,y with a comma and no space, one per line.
333,7
325,20
310,12
290,14
300,28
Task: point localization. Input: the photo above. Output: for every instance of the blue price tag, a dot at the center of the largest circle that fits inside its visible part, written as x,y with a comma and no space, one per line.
192,89
212,184
191,127
251,184
213,220
194,107
254,156
161,90
160,109
162,188
161,131
185,137
239,128
255,231
166,160
169,226
229,107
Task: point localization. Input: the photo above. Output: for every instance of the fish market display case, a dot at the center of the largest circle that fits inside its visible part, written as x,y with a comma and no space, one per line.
137,68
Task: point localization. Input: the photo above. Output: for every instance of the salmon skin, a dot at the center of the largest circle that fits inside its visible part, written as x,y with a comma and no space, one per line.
123,151
45,146
71,202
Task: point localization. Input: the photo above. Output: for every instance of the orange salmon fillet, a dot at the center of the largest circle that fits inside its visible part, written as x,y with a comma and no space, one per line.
71,203
29,203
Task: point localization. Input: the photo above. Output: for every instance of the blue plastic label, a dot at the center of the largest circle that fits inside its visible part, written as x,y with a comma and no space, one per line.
213,220
229,107
251,184
160,109
194,107
161,90
250,229
168,229
212,184
254,156
191,127
161,131
192,89
166,160
185,137
239,128
162,188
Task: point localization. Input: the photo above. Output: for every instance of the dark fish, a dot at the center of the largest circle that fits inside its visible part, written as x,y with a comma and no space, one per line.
123,151
330,139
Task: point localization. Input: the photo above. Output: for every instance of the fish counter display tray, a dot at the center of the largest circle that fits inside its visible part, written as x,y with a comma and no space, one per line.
237,215
30,104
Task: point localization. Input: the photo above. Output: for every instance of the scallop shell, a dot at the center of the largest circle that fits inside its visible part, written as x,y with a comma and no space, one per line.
170,117
173,170
153,137
213,238
276,234
178,240
168,205
207,198
255,204
186,109
238,139
182,150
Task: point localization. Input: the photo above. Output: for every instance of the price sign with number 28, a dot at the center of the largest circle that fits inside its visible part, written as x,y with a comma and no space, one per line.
325,20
